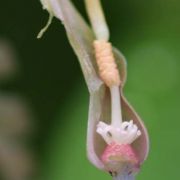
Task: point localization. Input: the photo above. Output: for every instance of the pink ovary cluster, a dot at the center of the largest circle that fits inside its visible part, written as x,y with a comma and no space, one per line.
118,157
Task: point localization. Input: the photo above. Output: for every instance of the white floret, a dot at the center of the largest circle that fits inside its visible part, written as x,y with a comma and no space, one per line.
127,133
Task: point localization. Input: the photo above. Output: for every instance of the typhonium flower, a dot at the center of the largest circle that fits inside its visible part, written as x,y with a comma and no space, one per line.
117,140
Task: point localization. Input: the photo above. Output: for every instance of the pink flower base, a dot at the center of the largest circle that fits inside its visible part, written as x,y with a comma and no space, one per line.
119,158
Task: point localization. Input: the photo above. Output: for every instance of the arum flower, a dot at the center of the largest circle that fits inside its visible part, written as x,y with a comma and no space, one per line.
117,140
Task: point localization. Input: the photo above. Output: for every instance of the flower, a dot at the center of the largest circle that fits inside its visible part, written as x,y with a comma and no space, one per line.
113,144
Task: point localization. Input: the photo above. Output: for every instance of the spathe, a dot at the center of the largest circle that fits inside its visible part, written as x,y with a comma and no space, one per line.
81,39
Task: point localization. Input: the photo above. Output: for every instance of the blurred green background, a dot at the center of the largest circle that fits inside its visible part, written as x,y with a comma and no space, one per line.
50,79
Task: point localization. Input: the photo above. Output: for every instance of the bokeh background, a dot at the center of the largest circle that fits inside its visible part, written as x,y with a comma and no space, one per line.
44,99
